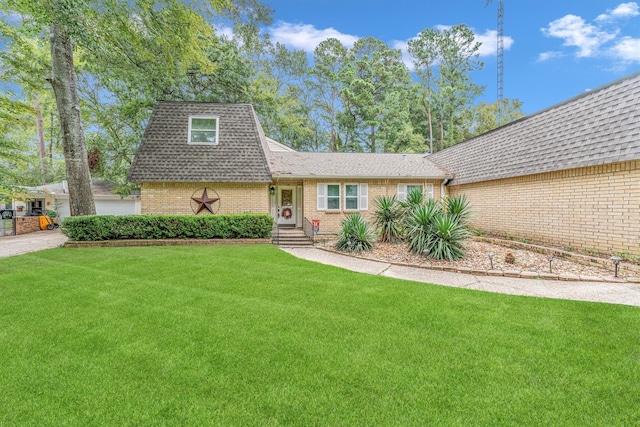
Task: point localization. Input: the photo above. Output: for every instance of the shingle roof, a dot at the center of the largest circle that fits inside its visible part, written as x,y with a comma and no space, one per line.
164,154
599,127
353,165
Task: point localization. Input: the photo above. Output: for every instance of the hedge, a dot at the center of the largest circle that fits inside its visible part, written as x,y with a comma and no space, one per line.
110,227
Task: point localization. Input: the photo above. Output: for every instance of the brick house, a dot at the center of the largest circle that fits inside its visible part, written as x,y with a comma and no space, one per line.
568,175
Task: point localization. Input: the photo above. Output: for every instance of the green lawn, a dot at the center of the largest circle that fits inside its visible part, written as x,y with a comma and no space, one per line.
249,335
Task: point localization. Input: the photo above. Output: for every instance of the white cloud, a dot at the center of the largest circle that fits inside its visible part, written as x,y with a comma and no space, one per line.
307,37
545,56
599,39
489,40
576,32
627,49
624,10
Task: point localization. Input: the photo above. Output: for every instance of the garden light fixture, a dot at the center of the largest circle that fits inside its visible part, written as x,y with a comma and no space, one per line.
616,260
490,255
550,258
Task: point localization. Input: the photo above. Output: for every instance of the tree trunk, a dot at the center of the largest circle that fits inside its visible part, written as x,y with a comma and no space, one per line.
63,80
42,151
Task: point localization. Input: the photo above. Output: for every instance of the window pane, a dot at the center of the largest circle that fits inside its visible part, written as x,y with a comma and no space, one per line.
411,188
352,203
351,190
203,136
333,190
333,203
203,124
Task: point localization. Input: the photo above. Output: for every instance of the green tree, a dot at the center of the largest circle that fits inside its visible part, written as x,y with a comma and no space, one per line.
374,79
484,117
326,85
443,61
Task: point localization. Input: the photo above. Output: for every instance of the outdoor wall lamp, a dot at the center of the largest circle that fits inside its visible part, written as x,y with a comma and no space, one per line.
550,258
616,260
272,190
490,255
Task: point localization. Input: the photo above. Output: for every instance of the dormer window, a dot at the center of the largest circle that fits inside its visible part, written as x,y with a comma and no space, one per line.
203,130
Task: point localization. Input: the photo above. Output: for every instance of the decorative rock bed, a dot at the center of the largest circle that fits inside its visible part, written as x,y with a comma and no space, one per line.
531,261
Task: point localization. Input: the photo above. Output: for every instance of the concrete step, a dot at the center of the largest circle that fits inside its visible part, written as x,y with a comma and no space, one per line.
290,237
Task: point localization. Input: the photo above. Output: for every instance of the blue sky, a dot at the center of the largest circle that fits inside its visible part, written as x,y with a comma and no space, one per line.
554,50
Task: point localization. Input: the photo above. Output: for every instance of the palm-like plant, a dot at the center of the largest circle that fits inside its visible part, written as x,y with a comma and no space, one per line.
419,223
458,208
449,236
387,216
355,234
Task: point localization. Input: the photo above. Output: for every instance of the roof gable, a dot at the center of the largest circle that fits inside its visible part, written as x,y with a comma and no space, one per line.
599,127
165,154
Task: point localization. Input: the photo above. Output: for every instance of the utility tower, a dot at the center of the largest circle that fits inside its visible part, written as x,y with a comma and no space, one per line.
500,62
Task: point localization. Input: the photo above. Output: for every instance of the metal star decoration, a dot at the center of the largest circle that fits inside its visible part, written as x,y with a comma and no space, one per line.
205,202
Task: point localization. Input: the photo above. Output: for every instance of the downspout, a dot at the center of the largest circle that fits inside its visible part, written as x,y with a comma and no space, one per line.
445,182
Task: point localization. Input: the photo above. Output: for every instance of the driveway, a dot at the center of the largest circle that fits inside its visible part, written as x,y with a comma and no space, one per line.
30,242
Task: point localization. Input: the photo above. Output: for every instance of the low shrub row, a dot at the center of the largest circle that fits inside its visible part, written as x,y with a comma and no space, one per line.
110,227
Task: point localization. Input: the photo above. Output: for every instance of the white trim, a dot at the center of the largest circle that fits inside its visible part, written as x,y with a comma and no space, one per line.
362,198
217,119
323,196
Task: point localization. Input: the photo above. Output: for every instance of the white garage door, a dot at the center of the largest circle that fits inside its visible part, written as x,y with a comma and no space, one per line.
116,207
103,207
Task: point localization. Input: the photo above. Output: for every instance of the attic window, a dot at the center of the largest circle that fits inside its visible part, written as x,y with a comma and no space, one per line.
203,130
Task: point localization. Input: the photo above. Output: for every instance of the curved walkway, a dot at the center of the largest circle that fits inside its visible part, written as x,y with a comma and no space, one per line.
609,292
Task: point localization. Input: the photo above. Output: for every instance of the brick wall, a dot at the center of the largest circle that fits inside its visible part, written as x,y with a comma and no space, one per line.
27,224
586,208
330,220
175,198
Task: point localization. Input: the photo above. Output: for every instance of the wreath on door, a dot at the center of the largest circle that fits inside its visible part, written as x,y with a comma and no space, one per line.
286,213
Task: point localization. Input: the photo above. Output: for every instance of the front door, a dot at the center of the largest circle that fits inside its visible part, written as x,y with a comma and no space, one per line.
287,205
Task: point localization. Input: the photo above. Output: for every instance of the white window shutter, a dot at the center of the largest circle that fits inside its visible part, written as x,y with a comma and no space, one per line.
364,197
429,191
322,197
402,192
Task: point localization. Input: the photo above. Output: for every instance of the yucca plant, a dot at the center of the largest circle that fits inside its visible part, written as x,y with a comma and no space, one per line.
355,234
419,223
449,236
388,216
458,208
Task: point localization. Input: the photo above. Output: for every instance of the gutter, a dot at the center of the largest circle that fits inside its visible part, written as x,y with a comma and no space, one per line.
445,182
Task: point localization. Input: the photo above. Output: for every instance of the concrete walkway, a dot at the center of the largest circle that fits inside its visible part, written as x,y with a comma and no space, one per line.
614,293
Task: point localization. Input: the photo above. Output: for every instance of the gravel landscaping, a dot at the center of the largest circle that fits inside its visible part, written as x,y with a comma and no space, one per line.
476,259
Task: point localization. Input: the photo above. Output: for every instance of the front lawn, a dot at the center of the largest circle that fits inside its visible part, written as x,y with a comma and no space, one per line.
249,335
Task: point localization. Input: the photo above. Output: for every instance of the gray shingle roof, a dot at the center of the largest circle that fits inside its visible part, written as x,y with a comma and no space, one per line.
353,165
164,154
599,127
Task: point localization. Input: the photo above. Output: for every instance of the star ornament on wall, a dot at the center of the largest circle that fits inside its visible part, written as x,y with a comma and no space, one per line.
205,202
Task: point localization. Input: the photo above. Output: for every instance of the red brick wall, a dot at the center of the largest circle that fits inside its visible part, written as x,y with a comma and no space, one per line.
27,224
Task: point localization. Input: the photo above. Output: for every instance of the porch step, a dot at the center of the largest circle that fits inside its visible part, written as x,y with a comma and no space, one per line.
290,237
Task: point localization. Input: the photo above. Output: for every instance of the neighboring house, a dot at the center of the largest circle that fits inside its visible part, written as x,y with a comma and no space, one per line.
55,197
568,175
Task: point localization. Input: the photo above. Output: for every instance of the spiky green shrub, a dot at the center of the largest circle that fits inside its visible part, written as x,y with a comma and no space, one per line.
415,198
419,223
449,236
355,234
388,216
458,208
438,232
